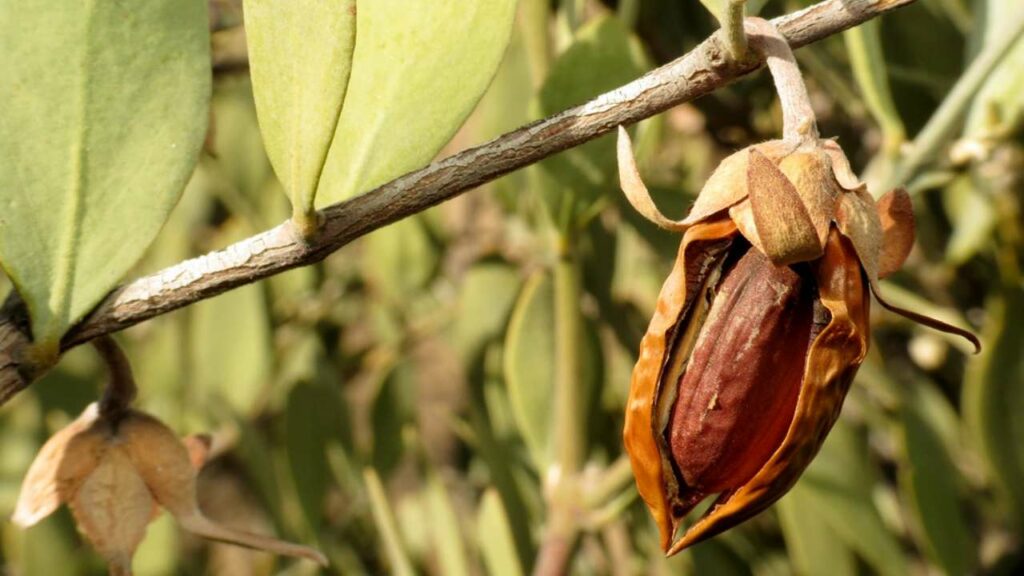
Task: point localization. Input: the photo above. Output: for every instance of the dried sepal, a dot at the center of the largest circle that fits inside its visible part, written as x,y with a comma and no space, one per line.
933,323
59,469
784,228
858,219
634,188
844,174
112,509
727,185
896,215
810,174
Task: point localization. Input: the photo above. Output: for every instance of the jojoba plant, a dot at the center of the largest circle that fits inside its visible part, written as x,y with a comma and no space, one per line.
533,379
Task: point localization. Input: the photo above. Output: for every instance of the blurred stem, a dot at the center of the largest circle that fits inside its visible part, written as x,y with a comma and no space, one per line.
732,25
864,46
798,119
533,24
560,535
562,480
569,410
613,480
945,120
121,390
573,10
629,12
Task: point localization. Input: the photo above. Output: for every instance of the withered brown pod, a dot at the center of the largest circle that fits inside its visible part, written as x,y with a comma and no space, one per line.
758,330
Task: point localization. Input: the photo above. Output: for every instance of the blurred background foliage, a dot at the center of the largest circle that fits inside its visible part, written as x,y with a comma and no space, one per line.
406,404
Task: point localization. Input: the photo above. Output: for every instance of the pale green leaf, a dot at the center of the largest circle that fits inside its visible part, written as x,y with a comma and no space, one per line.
419,68
530,365
838,485
494,535
230,338
104,112
929,480
444,528
401,259
384,519
814,548
309,417
602,57
159,553
300,56
993,395
487,293
718,7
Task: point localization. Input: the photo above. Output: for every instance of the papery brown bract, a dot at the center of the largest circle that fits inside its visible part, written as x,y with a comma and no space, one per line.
116,474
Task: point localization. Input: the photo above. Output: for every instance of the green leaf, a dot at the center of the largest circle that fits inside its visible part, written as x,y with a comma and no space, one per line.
444,528
46,548
401,259
718,7
104,112
497,546
838,486
159,553
487,294
384,518
392,410
309,419
530,365
419,68
814,548
1003,91
231,344
603,56
929,480
993,396
300,56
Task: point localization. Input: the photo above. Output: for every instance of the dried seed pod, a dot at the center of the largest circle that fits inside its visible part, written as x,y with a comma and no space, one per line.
114,474
758,330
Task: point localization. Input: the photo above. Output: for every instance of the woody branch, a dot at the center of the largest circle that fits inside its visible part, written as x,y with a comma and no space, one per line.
701,71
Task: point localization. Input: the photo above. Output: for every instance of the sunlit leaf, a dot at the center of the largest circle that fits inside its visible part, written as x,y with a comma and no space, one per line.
495,537
309,417
602,57
929,479
231,345
815,549
300,56
718,7
384,518
838,484
418,69
104,111
487,293
444,528
400,259
993,394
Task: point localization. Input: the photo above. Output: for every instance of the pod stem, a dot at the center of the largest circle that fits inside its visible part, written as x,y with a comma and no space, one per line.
798,119
732,25
121,390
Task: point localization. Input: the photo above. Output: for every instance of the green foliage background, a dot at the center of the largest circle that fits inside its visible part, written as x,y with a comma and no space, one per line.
394,405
